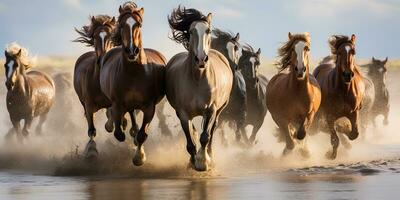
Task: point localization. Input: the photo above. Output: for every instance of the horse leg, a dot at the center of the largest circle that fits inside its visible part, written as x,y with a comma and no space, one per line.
214,126
148,114
135,128
117,118
16,129
224,139
202,157
27,126
353,117
188,127
254,132
334,139
39,127
91,152
289,141
386,115
162,120
109,126
240,128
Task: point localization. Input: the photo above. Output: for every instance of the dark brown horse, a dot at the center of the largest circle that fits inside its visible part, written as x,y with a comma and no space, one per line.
342,88
87,72
256,86
377,72
29,94
198,82
132,77
293,97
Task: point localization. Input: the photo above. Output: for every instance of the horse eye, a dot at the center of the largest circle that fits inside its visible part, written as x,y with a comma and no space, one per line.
236,48
307,48
208,31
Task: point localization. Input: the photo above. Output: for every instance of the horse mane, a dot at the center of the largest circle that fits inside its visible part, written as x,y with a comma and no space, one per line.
284,52
335,41
180,21
128,7
26,60
86,32
224,36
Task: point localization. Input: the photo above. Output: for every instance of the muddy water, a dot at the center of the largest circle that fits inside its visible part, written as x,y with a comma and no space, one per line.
50,166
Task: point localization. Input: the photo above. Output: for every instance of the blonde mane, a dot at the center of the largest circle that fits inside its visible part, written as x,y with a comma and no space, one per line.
13,48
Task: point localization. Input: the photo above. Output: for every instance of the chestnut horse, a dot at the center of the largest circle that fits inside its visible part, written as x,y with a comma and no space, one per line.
198,82
87,72
342,88
29,94
256,86
293,97
132,77
235,112
377,72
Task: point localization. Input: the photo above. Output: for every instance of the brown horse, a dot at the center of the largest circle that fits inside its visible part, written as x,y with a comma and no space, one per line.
132,77
293,97
342,88
30,94
87,72
198,82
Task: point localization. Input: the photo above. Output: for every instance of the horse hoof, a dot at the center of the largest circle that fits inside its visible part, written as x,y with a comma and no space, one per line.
139,158
304,153
91,152
133,131
202,161
120,136
109,126
286,152
330,155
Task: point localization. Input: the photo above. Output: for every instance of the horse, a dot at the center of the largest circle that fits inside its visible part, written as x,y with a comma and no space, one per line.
235,112
198,82
87,73
256,86
377,73
132,77
30,93
293,97
342,88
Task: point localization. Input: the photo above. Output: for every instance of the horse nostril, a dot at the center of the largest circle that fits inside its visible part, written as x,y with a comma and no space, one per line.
196,59
136,51
304,69
296,69
206,58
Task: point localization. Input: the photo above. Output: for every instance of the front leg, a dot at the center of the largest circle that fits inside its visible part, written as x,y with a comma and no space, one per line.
189,130
117,117
148,114
334,139
353,117
202,157
27,126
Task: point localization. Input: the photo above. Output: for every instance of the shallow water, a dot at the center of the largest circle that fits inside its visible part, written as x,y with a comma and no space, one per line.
372,180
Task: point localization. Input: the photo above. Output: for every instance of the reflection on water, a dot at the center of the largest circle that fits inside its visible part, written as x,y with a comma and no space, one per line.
278,186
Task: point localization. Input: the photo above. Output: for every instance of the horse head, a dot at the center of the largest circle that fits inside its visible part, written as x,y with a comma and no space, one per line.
129,31
344,49
249,63
17,61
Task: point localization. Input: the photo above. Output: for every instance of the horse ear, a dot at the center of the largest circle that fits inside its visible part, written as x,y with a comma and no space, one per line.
19,53
141,11
113,20
5,53
290,35
258,51
93,19
120,9
237,37
373,59
385,61
209,18
353,39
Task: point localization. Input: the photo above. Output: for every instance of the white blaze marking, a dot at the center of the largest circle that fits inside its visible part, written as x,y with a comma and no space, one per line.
131,22
10,68
299,48
348,48
253,61
231,51
202,46
380,70
102,36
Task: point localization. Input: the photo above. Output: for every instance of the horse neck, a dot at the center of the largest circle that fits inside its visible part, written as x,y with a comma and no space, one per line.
21,85
297,82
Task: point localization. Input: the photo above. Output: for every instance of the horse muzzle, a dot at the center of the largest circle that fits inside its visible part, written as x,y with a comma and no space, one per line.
132,53
347,76
201,61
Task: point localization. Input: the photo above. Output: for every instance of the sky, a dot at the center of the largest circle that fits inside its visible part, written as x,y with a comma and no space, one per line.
46,27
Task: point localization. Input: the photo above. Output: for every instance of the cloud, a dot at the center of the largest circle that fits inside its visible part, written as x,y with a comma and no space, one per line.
73,3
332,8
